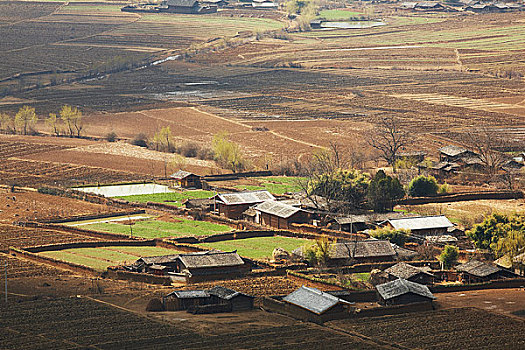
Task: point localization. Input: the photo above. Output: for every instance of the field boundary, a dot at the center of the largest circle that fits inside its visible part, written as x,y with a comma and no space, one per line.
459,197
93,216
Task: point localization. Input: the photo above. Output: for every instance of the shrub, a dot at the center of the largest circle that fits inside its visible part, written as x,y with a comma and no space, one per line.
205,153
189,149
140,140
399,237
111,137
423,186
155,305
448,256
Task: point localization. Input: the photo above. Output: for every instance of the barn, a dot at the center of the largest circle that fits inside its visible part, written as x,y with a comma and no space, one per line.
186,179
410,273
402,291
210,265
233,205
237,301
185,299
314,305
279,215
421,225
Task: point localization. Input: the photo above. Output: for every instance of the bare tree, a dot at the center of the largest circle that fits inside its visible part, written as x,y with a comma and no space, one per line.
487,143
389,139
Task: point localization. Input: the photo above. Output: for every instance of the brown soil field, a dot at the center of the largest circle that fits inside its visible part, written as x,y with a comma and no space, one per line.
34,206
461,328
21,237
504,301
26,269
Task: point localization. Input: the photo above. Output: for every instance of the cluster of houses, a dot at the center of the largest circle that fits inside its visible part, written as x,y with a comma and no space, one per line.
193,267
471,6
198,6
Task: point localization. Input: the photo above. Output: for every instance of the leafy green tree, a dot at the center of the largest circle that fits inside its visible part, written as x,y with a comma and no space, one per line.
423,186
383,192
449,256
348,186
52,121
320,252
72,118
512,244
7,123
228,153
494,227
25,119
399,237
163,140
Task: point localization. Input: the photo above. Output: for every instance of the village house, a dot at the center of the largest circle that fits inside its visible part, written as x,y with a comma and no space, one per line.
314,305
366,251
279,215
186,179
519,264
421,225
410,273
401,291
357,223
205,204
455,154
206,266
476,271
185,6
157,265
233,205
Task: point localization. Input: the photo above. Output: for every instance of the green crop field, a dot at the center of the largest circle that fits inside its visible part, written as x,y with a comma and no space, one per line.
260,247
159,229
101,258
174,198
338,14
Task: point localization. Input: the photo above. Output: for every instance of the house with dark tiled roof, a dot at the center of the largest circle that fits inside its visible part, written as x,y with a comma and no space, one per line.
401,291
421,225
209,265
476,271
410,273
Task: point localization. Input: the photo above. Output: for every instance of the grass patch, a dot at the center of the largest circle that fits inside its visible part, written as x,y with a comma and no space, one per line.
259,247
160,229
363,276
101,258
175,198
338,14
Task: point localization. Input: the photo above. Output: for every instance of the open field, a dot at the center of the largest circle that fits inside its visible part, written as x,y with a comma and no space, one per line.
273,184
22,268
464,328
175,227
34,206
175,198
258,248
101,258
64,323
20,237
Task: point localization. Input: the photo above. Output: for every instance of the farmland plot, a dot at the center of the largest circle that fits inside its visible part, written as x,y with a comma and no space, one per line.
78,322
22,268
464,328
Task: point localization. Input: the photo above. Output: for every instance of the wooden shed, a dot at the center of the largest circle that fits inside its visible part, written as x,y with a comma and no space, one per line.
233,205
279,215
237,301
185,299
476,271
402,291
186,179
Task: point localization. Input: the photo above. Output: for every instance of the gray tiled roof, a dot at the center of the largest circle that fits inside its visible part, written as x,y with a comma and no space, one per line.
182,3
478,268
405,271
158,260
452,151
279,209
211,259
421,222
363,249
249,197
400,286
181,174
225,293
190,294
312,300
